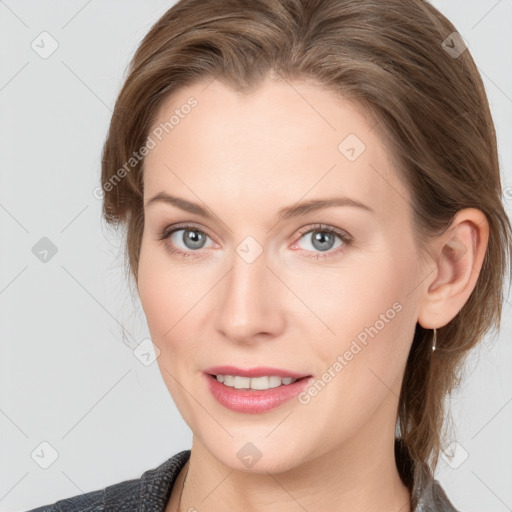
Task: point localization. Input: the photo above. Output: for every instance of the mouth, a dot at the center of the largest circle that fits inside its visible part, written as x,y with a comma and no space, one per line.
260,383
259,371
254,394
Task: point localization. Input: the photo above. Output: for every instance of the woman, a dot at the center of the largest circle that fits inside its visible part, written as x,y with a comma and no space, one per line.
312,199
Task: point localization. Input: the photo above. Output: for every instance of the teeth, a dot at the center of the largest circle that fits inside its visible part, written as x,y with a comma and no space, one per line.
237,382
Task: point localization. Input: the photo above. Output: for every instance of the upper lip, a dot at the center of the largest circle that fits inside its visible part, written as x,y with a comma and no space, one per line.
259,371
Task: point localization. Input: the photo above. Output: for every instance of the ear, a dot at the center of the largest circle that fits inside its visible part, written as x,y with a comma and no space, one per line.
459,256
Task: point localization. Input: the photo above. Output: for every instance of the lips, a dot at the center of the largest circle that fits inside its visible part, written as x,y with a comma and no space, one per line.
253,401
260,371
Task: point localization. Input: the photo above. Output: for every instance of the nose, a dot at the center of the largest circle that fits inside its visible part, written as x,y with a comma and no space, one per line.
251,301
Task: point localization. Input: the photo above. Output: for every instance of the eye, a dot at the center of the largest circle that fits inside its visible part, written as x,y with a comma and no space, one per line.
192,238
322,238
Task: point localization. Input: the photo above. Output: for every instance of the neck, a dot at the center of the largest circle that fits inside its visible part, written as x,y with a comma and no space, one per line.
359,477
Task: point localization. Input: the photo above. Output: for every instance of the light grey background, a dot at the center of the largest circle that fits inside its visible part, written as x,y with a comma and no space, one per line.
67,376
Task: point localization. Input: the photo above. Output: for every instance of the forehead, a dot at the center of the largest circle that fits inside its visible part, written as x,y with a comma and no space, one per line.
282,143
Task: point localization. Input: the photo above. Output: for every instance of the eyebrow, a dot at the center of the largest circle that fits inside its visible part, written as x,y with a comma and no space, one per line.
283,214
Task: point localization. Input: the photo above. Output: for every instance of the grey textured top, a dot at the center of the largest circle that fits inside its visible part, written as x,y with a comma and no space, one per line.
151,492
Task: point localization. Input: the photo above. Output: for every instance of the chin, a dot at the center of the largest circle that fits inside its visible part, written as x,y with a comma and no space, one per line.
258,453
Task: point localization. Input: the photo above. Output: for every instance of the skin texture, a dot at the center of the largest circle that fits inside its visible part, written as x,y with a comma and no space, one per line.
244,157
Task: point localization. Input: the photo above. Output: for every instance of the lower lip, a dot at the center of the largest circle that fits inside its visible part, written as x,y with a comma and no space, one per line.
254,401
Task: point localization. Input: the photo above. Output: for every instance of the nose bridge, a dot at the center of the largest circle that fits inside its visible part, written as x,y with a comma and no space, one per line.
247,284
250,294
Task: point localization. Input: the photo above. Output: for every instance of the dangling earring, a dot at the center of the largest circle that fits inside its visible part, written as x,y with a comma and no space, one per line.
434,340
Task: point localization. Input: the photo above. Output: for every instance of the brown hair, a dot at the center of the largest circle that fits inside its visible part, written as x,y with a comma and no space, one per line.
389,57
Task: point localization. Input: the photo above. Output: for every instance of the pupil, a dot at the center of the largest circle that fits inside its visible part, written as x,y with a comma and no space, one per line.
320,236
194,238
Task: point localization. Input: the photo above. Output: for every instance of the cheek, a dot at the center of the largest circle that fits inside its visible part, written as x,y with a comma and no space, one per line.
171,296
343,303
160,294
370,315
362,369
150,287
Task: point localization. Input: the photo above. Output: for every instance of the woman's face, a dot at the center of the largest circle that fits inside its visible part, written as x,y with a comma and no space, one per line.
259,288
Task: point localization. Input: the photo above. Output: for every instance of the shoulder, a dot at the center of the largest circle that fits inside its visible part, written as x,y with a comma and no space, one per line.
153,489
428,494
434,499
90,502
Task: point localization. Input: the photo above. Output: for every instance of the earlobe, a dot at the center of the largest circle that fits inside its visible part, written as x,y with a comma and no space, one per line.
458,263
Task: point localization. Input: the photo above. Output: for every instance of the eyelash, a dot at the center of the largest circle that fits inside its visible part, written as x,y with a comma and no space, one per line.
321,228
